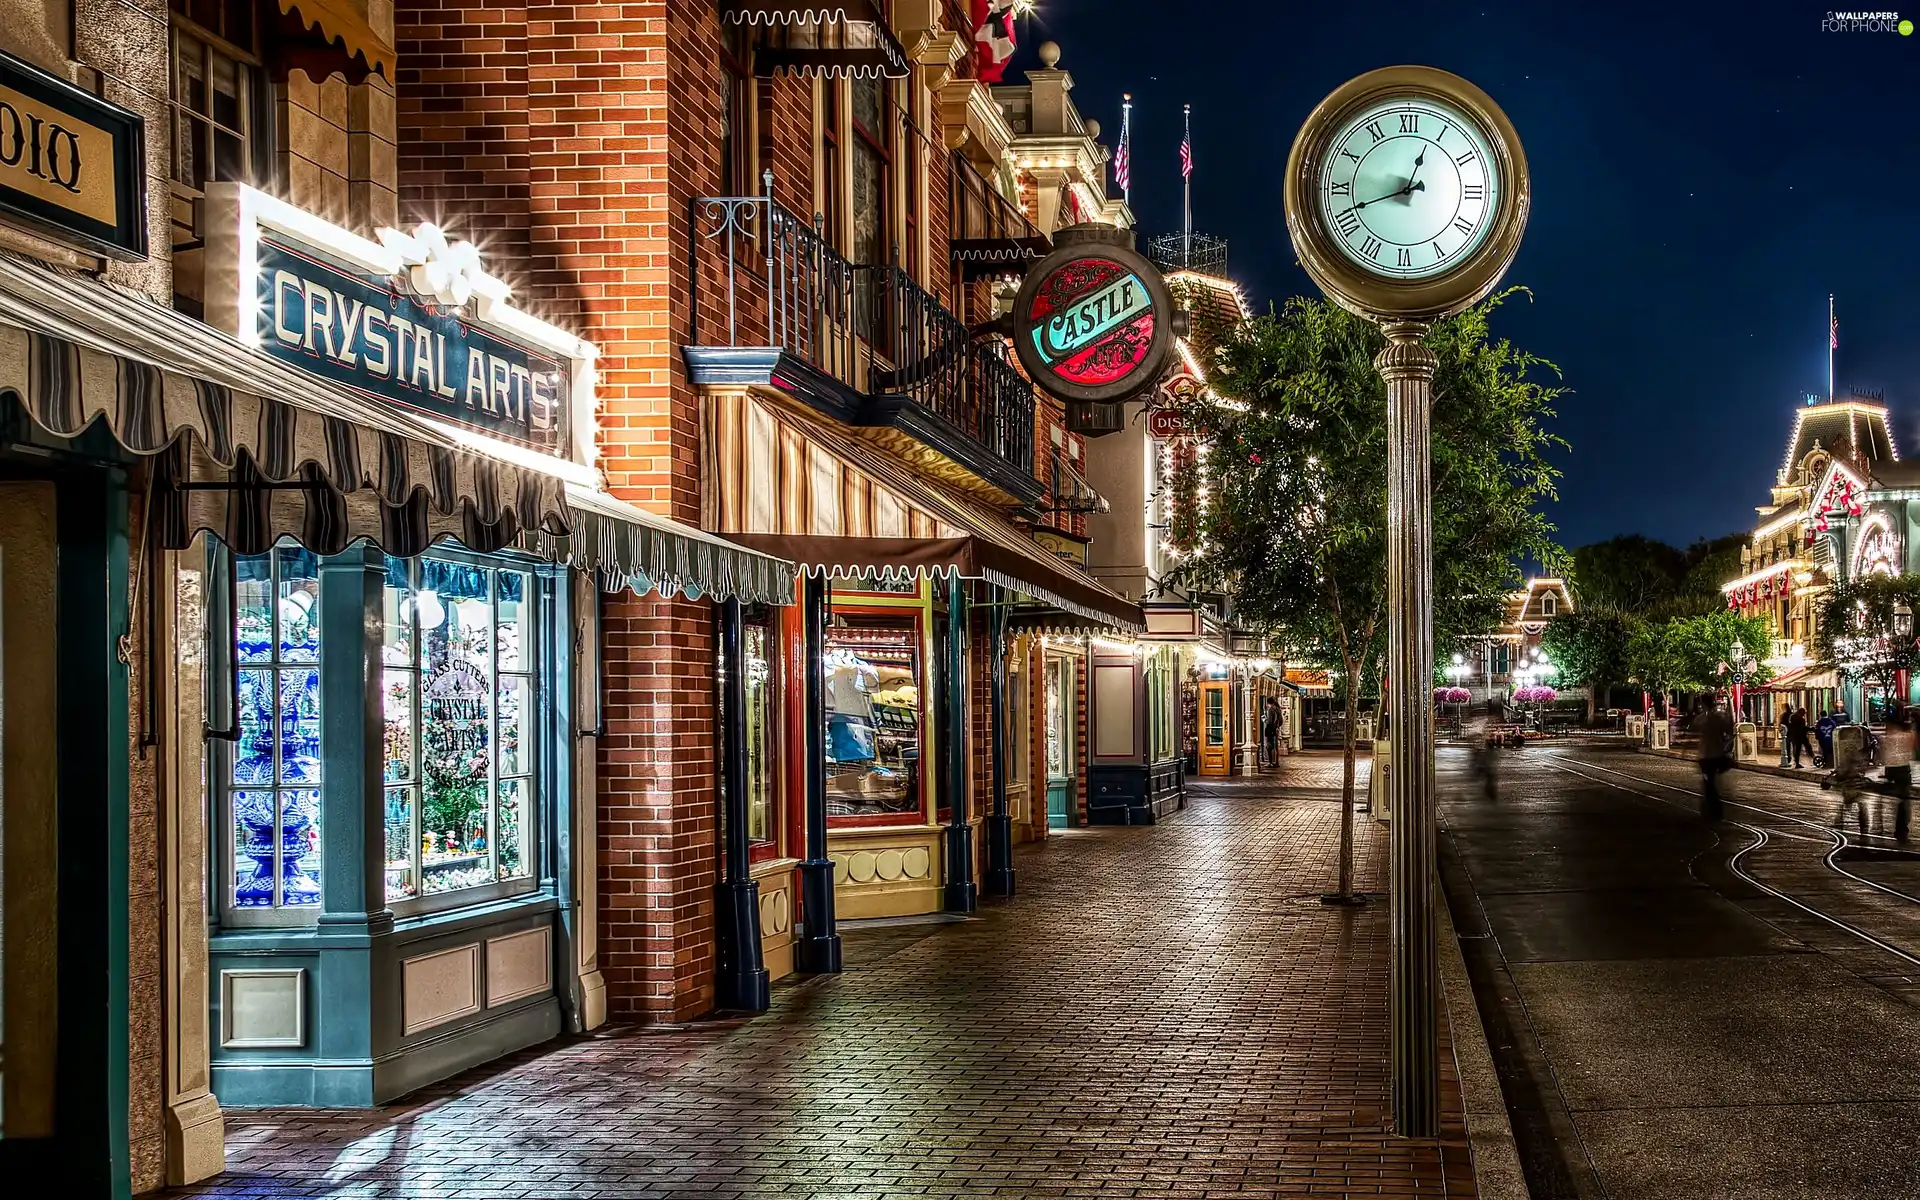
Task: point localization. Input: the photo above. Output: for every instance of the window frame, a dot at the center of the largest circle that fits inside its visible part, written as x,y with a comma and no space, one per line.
222,634
256,106
739,144
546,723
537,726
881,143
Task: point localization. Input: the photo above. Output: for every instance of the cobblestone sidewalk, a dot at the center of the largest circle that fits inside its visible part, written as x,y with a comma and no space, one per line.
1164,1011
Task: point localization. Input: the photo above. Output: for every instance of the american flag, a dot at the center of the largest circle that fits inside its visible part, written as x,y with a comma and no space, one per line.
1186,156
1833,330
1123,160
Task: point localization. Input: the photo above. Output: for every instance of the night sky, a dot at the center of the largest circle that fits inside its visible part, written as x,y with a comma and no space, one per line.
1704,174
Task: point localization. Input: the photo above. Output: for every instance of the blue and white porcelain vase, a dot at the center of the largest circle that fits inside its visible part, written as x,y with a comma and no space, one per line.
253,777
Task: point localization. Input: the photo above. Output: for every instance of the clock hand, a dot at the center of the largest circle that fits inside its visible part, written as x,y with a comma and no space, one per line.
1416,169
1411,187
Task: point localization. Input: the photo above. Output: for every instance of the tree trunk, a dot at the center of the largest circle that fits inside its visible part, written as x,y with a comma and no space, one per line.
1346,786
1593,702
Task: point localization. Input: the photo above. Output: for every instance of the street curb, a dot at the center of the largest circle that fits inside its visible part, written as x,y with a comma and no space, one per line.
1496,1163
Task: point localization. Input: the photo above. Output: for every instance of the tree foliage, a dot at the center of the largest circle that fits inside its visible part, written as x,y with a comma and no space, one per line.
1691,654
1864,628
1651,579
1588,646
1293,525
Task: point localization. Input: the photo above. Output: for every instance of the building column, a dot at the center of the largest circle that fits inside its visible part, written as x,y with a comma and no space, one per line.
195,1128
1249,747
819,948
1000,821
589,623
742,981
962,893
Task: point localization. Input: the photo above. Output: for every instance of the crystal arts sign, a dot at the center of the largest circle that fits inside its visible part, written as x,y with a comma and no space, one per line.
1093,323
412,320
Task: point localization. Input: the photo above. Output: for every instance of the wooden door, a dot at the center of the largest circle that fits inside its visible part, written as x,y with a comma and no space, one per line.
1216,727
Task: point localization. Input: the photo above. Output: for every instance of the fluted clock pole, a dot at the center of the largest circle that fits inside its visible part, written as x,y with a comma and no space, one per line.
1413,1008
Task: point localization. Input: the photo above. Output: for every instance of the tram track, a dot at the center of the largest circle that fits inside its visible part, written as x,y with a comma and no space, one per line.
1837,838
1762,837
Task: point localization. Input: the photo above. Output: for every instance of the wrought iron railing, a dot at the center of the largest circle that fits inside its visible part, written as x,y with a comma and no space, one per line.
764,277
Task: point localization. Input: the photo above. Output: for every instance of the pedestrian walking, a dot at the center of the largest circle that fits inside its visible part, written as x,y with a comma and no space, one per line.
1715,731
1896,752
1824,732
1797,736
1270,731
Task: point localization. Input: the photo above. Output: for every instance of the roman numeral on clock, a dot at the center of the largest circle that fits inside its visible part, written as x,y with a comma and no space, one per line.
1350,154
1348,221
1409,122
1466,158
1473,191
1378,133
1403,257
1371,248
1438,253
1460,223
1343,189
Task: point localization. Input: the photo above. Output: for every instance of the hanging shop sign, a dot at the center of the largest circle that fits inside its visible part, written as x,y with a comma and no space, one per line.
1093,323
71,165
1308,677
412,320
1167,424
1065,545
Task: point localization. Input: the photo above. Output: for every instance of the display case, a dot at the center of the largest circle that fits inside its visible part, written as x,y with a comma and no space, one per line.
875,703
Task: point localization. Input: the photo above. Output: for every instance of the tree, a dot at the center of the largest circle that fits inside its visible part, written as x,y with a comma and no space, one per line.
1589,647
1710,563
1701,648
1628,574
1293,524
1864,629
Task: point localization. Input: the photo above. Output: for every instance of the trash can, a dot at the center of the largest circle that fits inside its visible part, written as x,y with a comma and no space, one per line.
1746,742
1660,734
1636,727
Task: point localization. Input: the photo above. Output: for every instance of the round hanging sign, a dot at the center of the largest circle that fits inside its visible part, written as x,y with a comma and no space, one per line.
1093,322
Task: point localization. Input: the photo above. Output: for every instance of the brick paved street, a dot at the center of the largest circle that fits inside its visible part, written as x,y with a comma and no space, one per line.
1163,1011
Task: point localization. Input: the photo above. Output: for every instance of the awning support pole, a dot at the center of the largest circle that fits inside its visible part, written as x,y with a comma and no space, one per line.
962,893
819,949
741,975
1000,821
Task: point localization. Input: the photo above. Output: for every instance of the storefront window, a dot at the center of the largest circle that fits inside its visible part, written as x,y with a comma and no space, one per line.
762,778
458,656
1159,705
1059,733
273,796
874,710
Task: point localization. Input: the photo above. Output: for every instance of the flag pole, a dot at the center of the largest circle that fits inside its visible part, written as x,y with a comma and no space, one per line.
1833,342
1186,252
1126,140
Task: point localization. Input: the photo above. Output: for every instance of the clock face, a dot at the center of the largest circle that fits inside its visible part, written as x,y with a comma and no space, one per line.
1408,188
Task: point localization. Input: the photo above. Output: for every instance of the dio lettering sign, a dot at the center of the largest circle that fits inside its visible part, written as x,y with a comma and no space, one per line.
1093,323
71,165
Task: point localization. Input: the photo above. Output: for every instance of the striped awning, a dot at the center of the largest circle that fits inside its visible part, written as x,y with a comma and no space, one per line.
337,26
800,487
253,450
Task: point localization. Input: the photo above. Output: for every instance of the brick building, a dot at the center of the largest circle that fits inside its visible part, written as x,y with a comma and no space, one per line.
450,408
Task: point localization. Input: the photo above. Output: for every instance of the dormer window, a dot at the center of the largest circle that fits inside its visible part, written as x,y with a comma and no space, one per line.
1547,605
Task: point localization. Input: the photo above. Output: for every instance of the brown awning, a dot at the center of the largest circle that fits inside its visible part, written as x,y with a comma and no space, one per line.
819,37
801,488
320,37
991,236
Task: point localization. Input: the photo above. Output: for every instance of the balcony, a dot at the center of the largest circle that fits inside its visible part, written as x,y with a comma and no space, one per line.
774,304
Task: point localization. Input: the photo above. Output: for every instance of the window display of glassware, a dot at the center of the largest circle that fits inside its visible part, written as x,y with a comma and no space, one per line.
274,777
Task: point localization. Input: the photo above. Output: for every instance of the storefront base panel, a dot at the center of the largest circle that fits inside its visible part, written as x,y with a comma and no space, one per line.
368,1083
1134,795
887,872
777,907
335,1017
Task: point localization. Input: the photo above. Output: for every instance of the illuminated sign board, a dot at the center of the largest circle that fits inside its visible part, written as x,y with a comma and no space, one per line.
412,321
1093,323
